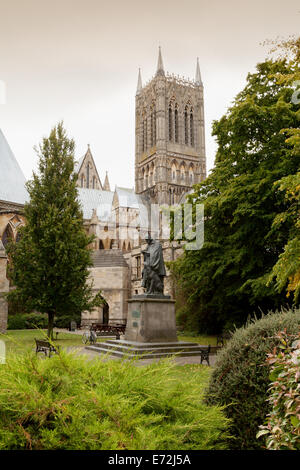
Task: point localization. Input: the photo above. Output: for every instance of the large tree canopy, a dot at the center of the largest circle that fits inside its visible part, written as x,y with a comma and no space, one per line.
227,279
49,265
287,269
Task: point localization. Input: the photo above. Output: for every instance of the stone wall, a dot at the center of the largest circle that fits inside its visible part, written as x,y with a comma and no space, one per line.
112,281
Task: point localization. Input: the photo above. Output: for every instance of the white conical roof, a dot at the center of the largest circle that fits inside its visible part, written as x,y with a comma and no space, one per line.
160,65
12,180
198,79
139,85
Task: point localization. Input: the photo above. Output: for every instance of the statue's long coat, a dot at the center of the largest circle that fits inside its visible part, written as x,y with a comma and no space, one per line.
156,258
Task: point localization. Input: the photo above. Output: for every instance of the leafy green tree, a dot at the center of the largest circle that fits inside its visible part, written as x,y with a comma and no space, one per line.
287,269
226,281
49,265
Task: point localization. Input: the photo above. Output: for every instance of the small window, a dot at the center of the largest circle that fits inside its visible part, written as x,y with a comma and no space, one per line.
138,267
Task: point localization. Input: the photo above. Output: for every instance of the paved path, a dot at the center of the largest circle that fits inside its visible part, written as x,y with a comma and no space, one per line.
181,360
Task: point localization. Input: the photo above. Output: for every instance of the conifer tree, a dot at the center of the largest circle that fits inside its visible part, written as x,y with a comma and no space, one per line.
49,265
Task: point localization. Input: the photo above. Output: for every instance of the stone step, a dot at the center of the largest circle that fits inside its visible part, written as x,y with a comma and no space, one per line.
162,349
143,355
162,343
156,346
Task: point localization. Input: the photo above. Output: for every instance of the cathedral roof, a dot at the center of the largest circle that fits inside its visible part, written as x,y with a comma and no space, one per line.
78,164
96,199
128,198
12,180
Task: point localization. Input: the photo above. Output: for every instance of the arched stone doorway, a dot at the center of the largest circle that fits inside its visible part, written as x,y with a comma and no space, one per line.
105,313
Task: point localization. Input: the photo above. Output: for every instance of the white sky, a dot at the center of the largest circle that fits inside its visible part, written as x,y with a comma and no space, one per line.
78,60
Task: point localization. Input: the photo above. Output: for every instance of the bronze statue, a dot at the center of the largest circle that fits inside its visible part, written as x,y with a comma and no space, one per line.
154,267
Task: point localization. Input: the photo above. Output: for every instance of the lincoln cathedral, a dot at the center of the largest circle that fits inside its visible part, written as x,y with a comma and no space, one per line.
169,160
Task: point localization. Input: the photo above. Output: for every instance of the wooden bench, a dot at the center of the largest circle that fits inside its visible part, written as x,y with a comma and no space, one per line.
204,354
115,327
44,346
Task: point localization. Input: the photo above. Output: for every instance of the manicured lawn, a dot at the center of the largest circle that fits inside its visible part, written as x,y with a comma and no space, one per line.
23,340
201,339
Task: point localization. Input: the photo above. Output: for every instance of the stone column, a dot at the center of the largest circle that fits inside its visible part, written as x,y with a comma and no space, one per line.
4,287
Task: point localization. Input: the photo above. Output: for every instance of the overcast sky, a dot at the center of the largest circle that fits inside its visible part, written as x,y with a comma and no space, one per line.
78,60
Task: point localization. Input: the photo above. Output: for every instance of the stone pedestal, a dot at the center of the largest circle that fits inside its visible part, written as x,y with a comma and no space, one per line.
4,287
151,319
150,332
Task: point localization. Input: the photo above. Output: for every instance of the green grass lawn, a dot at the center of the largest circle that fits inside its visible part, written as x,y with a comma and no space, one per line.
19,341
200,339
22,341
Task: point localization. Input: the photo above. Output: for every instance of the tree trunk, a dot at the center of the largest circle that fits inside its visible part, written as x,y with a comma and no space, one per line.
50,324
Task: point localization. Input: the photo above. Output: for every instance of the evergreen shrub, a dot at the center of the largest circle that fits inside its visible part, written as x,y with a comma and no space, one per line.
69,402
26,321
240,379
282,427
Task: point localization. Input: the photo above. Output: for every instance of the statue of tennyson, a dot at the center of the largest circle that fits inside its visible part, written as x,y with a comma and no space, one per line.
154,267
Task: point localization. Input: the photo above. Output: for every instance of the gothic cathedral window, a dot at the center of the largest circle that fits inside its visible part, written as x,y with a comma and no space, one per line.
170,124
88,176
145,144
186,134
176,123
153,125
192,128
7,236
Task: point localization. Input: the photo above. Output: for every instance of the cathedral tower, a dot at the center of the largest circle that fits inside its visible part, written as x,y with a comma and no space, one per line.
170,140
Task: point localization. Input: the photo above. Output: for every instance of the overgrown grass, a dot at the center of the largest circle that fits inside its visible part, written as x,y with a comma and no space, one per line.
67,402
